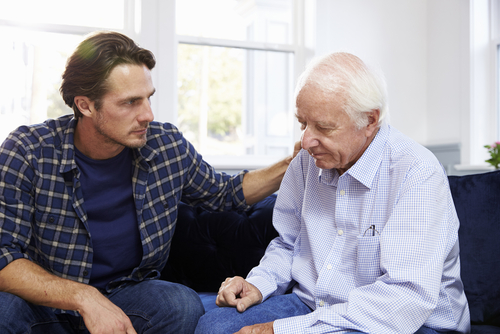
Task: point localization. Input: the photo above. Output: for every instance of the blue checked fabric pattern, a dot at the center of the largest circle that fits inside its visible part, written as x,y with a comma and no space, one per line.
42,209
396,279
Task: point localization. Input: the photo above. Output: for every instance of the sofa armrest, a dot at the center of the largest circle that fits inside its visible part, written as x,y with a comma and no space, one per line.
209,246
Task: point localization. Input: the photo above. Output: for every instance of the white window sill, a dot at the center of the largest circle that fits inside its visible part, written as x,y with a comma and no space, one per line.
474,167
240,162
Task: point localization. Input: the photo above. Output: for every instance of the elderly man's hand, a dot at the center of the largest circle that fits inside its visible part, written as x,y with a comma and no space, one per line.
237,292
266,328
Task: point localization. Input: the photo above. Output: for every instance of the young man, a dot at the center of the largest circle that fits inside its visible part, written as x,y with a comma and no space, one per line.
368,233
88,204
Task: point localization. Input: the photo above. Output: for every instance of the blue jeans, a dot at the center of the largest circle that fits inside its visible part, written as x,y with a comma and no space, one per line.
153,307
227,320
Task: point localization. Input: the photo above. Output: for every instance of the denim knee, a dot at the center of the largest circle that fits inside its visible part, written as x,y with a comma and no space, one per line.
15,314
211,323
229,320
158,306
179,300
179,308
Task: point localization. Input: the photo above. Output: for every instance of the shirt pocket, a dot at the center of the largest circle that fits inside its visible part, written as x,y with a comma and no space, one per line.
368,260
53,236
164,211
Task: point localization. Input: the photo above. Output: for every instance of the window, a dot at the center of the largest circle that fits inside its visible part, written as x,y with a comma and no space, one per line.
33,62
495,38
235,78
225,69
497,90
34,47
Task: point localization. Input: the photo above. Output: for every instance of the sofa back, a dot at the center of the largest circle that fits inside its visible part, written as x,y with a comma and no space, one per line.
477,201
209,246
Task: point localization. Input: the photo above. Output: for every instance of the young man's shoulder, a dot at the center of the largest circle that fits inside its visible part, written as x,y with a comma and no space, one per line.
164,132
50,133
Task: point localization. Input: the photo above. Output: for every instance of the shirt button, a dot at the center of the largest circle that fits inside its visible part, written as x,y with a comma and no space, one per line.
340,232
342,192
85,273
321,303
329,267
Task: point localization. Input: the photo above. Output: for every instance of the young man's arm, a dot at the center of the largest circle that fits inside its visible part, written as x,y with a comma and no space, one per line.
34,284
260,183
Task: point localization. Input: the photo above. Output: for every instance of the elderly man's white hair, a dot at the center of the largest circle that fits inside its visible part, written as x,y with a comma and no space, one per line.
350,81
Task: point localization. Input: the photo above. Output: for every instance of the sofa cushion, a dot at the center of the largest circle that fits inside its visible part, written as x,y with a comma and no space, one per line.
209,246
477,201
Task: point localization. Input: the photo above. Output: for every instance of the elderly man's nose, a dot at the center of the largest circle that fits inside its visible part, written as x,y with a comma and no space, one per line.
307,139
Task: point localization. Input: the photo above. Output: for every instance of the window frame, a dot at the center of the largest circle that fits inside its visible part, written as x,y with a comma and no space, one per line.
163,41
152,25
131,26
480,115
130,23
495,51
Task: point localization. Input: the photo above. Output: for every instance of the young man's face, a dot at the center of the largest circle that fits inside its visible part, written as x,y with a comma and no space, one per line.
125,111
328,133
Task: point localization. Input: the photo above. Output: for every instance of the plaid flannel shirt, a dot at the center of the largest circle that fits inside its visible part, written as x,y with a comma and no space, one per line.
42,209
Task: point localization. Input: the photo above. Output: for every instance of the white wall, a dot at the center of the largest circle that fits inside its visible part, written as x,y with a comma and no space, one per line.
390,35
447,48
438,62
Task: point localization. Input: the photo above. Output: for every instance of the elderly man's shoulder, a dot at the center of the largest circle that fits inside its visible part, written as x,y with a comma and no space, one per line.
403,149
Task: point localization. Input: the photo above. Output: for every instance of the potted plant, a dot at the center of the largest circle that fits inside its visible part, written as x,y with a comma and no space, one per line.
494,151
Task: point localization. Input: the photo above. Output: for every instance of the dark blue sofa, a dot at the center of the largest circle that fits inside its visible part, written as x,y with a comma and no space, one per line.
208,247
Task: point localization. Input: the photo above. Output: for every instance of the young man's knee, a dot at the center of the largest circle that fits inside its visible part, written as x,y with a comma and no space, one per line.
14,313
10,303
180,299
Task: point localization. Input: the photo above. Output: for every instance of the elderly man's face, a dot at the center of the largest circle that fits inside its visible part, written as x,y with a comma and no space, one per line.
328,133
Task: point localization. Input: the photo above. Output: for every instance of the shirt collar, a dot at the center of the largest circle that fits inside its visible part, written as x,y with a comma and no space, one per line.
365,169
147,153
68,147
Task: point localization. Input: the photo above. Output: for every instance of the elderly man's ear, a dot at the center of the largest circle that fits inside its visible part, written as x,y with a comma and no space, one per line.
373,118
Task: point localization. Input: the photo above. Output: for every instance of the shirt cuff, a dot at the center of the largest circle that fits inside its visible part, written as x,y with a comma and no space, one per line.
296,324
265,288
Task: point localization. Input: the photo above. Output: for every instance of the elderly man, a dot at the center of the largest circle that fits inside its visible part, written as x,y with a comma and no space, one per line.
367,227
88,204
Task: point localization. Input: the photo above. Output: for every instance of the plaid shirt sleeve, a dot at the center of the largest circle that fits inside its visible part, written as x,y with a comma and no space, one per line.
42,212
16,202
190,178
38,220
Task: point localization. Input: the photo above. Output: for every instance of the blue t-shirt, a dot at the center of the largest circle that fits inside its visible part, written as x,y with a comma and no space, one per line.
112,217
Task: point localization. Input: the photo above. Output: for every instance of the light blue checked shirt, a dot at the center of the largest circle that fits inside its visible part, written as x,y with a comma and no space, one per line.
396,279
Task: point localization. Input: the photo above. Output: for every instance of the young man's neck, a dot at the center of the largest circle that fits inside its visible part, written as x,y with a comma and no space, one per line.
92,144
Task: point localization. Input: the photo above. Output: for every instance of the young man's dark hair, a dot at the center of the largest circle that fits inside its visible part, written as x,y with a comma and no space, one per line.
89,66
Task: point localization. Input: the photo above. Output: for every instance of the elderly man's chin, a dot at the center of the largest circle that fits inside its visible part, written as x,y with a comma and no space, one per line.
322,163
